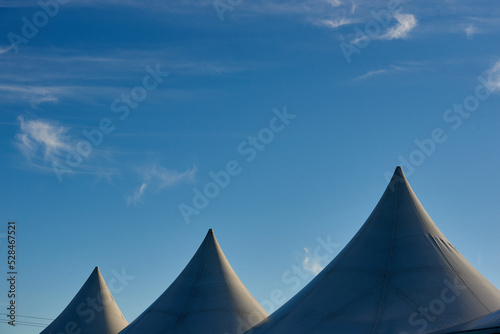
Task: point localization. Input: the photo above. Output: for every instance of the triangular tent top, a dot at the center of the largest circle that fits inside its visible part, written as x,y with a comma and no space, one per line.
398,275
207,297
92,311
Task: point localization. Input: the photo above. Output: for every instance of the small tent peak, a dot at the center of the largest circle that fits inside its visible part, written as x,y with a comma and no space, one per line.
109,321
95,272
399,172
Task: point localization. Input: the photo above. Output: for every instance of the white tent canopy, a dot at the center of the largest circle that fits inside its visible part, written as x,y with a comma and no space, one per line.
207,297
488,324
398,275
92,311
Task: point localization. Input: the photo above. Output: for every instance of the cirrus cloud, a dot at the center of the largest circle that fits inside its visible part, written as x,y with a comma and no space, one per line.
406,23
41,137
157,178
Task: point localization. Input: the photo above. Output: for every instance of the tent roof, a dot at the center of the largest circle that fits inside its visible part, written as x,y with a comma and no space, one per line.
93,311
207,297
399,274
490,323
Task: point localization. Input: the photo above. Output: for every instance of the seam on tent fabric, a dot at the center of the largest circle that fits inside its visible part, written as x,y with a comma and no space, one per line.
222,263
445,255
381,307
198,275
340,310
303,294
457,273
229,288
438,247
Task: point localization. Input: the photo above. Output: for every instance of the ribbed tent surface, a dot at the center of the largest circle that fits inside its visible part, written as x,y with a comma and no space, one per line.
92,311
489,324
207,297
398,275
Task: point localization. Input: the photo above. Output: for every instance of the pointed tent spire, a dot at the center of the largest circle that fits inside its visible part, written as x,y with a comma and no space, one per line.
92,311
399,274
207,297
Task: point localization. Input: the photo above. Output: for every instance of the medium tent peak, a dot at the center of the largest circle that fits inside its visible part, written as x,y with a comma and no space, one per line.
207,297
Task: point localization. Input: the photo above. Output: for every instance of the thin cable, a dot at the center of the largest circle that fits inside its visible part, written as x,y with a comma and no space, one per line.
26,316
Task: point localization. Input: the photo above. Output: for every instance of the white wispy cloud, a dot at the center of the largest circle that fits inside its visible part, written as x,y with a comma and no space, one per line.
38,138
353,7
137,195
332,23
371,74
62,75
310,263
5,50
174,6
409,67
156,178
470,31
451,14
493,77
166,178
334,3
45,143
406,23
35,95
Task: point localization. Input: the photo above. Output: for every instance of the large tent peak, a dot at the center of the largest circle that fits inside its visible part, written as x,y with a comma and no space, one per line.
399,171
398,264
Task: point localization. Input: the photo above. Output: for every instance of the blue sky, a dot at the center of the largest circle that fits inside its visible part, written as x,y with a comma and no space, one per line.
309,105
